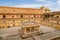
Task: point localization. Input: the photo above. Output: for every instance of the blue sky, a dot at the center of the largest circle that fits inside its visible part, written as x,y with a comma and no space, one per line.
54,5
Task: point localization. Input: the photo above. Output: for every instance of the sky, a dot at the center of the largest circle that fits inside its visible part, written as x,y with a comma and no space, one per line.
53,5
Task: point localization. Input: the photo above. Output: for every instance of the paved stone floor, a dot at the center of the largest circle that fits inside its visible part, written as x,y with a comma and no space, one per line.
45,29
13,33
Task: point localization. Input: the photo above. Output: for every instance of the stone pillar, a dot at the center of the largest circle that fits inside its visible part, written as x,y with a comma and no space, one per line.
30,30
38,28
25,31
34,29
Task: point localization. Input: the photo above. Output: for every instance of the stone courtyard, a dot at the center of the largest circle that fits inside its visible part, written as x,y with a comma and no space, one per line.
14,34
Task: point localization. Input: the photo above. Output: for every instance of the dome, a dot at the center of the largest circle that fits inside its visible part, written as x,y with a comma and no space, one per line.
41,7
47,9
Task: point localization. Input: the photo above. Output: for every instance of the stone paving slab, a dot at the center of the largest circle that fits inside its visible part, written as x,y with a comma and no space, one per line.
9,31
37,37
17,37
30,38
50,35
46,29
46,36
15,30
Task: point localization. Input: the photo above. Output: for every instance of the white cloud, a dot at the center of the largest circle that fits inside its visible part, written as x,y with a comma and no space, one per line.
33,5
48,4
40,0
58,2
55,8
45,1
38,6
28,5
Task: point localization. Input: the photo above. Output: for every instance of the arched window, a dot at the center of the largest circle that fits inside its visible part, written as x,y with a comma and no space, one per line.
21,16
34,15
29,16
57,16
57,22
51,15
12,16
4,16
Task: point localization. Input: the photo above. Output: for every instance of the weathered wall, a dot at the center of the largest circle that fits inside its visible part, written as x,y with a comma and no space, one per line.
15,20
11,16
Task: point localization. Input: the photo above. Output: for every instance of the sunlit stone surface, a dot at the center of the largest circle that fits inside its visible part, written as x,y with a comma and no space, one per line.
13,33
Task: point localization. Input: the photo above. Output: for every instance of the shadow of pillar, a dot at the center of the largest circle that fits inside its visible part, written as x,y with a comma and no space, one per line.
0,38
